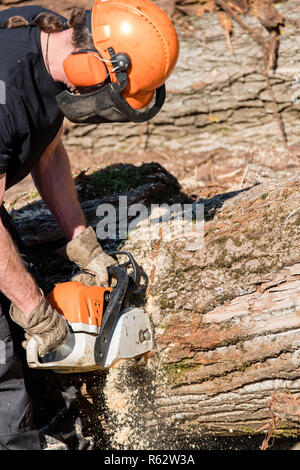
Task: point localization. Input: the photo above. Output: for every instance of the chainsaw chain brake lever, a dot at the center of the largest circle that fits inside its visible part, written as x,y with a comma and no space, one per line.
135,276
125,284
112,312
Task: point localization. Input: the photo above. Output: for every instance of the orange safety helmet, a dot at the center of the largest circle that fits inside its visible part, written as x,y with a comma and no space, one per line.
130,36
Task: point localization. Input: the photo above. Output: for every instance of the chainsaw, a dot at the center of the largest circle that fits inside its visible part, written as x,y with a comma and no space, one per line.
103,327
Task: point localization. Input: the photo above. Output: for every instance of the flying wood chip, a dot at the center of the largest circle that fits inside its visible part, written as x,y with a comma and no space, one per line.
208,7
240,6
267,14
226,24
167,5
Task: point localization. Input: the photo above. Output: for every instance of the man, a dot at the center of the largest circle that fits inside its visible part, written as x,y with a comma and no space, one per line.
88,69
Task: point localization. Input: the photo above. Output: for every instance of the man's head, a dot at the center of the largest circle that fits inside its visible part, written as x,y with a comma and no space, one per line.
82,36
138,30
121,54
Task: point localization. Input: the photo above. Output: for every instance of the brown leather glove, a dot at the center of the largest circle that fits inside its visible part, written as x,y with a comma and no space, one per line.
44,324
87,253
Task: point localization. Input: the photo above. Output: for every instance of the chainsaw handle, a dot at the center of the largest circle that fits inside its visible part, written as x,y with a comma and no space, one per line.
135,276
112,312
118,294
126,285
115,272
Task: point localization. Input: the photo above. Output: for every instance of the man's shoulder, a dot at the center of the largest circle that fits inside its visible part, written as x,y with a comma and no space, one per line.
20,46
29,12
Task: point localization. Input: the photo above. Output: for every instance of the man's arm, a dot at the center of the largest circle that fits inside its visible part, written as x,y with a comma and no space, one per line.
53,179
16,283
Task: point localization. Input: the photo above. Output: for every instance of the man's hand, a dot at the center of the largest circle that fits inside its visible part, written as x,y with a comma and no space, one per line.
85,251
44,324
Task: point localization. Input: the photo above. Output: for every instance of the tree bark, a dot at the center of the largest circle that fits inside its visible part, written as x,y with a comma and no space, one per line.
227,316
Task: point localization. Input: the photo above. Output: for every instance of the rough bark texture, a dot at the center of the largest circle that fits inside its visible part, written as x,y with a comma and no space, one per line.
227,317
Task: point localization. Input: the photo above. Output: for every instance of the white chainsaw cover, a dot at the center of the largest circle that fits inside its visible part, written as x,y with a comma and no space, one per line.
131,337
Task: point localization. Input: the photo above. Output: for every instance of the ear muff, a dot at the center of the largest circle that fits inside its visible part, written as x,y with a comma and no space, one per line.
84,69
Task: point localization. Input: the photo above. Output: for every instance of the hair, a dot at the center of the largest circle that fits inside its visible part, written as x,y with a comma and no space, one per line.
51,23
81,38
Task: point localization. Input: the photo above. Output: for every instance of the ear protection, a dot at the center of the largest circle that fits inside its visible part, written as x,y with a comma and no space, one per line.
87,68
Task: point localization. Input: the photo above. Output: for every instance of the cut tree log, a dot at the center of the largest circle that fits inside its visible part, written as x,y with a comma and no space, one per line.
226,323
37,225
227,317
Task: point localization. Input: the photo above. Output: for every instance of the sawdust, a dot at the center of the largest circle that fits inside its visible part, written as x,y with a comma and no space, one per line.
124,433
118,404
131,400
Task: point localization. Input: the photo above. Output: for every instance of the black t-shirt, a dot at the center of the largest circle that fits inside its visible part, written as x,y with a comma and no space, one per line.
29,115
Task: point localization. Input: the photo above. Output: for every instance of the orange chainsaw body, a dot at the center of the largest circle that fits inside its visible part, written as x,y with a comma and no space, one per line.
103,327
80,304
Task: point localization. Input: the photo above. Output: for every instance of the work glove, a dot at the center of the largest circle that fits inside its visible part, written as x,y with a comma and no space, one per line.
44,324
87,253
